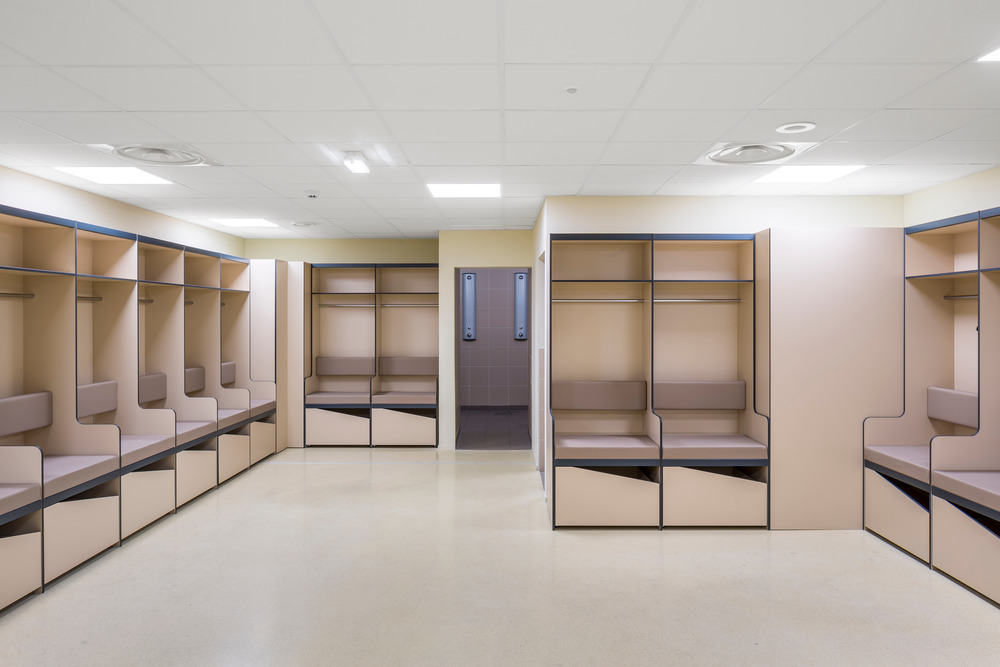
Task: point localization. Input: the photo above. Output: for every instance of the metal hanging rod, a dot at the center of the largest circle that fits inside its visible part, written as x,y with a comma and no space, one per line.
697,300
16,295
145,301
189,303
346,305
952,297
598,300
89,298
409,305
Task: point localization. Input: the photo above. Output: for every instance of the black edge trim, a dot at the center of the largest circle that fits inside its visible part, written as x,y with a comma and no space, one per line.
38,217
107,231
966,504
703,237
898,476
606,463
80,488
714,463
14,515
601,237
149,240
938,224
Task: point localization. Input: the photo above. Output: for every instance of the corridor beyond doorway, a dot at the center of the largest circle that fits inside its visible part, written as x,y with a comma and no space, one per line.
494,428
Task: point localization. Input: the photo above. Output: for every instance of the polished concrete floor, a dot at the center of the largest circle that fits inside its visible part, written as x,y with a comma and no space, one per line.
424,557
494,428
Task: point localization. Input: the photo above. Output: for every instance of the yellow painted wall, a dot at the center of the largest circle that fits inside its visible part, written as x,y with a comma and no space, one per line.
966,195
468,249
35,194
347,251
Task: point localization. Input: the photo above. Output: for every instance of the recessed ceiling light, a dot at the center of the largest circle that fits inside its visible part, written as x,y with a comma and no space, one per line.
809,174
796,128
243,222
114,175
464,189
751,153
355,162
991,57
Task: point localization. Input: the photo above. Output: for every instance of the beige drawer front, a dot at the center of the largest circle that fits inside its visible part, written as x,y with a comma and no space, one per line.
234,455
76,530
592,498
146,496
895,516
262,441
21,573
396,428
329,427
698,498
966,550
197,472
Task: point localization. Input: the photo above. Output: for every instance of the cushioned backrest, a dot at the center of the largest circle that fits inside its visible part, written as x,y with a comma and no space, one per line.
957,407
620,395
194,379
25,412
227,372
93,399
700,395
345,366
408,366
152,387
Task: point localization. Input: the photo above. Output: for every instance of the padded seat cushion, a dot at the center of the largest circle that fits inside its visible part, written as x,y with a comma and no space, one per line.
16,496
711,446
591,446
259,406
94,399
229,416
227,372
337,398
910,460
64,472
152,387
982,487
191,430
194,379
138,447
405,398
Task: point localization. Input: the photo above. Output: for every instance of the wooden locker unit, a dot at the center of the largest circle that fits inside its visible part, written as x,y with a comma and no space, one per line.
714,443
606,442
941,382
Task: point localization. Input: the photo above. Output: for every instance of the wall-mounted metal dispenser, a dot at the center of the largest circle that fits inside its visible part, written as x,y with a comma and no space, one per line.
520,306
468,306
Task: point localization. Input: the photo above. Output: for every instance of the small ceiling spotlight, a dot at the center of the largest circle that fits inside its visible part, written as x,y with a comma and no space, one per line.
572,90
796,128
355,162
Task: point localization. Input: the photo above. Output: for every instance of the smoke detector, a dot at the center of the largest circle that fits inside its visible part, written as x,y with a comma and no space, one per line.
161,156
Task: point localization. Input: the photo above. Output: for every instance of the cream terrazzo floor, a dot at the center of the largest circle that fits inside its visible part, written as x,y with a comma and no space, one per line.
399,557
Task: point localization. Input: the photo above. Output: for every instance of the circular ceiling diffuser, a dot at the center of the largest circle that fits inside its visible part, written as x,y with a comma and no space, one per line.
796,128
751,153
172,157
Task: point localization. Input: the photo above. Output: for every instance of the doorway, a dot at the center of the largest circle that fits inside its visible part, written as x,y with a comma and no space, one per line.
493,358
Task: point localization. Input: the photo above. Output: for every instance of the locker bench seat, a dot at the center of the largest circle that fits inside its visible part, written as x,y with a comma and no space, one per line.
138,447
192,430
711,446
405,398
610,447
980,487
420,373
15,496
259,406
337,398
63,472
705,395
353,372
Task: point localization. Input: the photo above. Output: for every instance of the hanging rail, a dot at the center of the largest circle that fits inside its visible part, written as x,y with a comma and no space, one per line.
16,295
953,297
697,300
80,297
598,300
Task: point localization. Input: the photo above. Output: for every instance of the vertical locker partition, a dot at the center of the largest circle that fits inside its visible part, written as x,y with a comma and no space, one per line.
606,450
714,443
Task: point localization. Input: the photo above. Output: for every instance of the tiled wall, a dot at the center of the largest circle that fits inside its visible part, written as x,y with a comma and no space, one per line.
493,369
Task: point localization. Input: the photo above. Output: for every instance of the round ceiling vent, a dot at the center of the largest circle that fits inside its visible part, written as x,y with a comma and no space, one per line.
751,153
170,157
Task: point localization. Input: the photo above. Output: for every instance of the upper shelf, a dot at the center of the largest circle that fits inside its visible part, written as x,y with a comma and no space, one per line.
703,261
944,250
613,260
37,245
106,253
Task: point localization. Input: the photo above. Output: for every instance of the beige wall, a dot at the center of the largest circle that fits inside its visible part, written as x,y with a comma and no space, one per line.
40,196
347,251
966,195
468,249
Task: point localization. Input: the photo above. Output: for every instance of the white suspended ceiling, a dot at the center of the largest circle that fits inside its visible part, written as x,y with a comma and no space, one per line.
472,91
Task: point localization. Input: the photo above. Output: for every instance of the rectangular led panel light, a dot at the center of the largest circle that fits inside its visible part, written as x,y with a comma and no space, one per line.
991,57
244,222
114,175
809,174
464,189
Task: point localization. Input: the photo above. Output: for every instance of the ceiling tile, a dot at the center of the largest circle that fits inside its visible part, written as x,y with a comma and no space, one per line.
39,89
435,31
603,189
455,153
434,126
668,126
457,87
653,153
238,32
986,129
197,127
597,86
98,127
907,173
327,126
275,175
422,205
560,31
460,174
10,58
62,155
340,208
194,176
256,154
80,33
853,152
971,86
541,189
544,153
200,208
325,191
156,193
764,31
632,174
232,191
868,86
950,152
387,190
574,126
376,175
720,174
153,88
759,125
376,154
551,174
287,88
910,124
712,86
912,31
16,130
839,188
696,189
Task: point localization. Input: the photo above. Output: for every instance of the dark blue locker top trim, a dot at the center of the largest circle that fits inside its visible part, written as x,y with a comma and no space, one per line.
416,265
989,213
594,280
938,224
338,406
714,463
20,512
966,503
343,266
199,251
906,479
159,242
106,231
159,282
38,217
41,272
703,237
234,258
601,237
606,463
